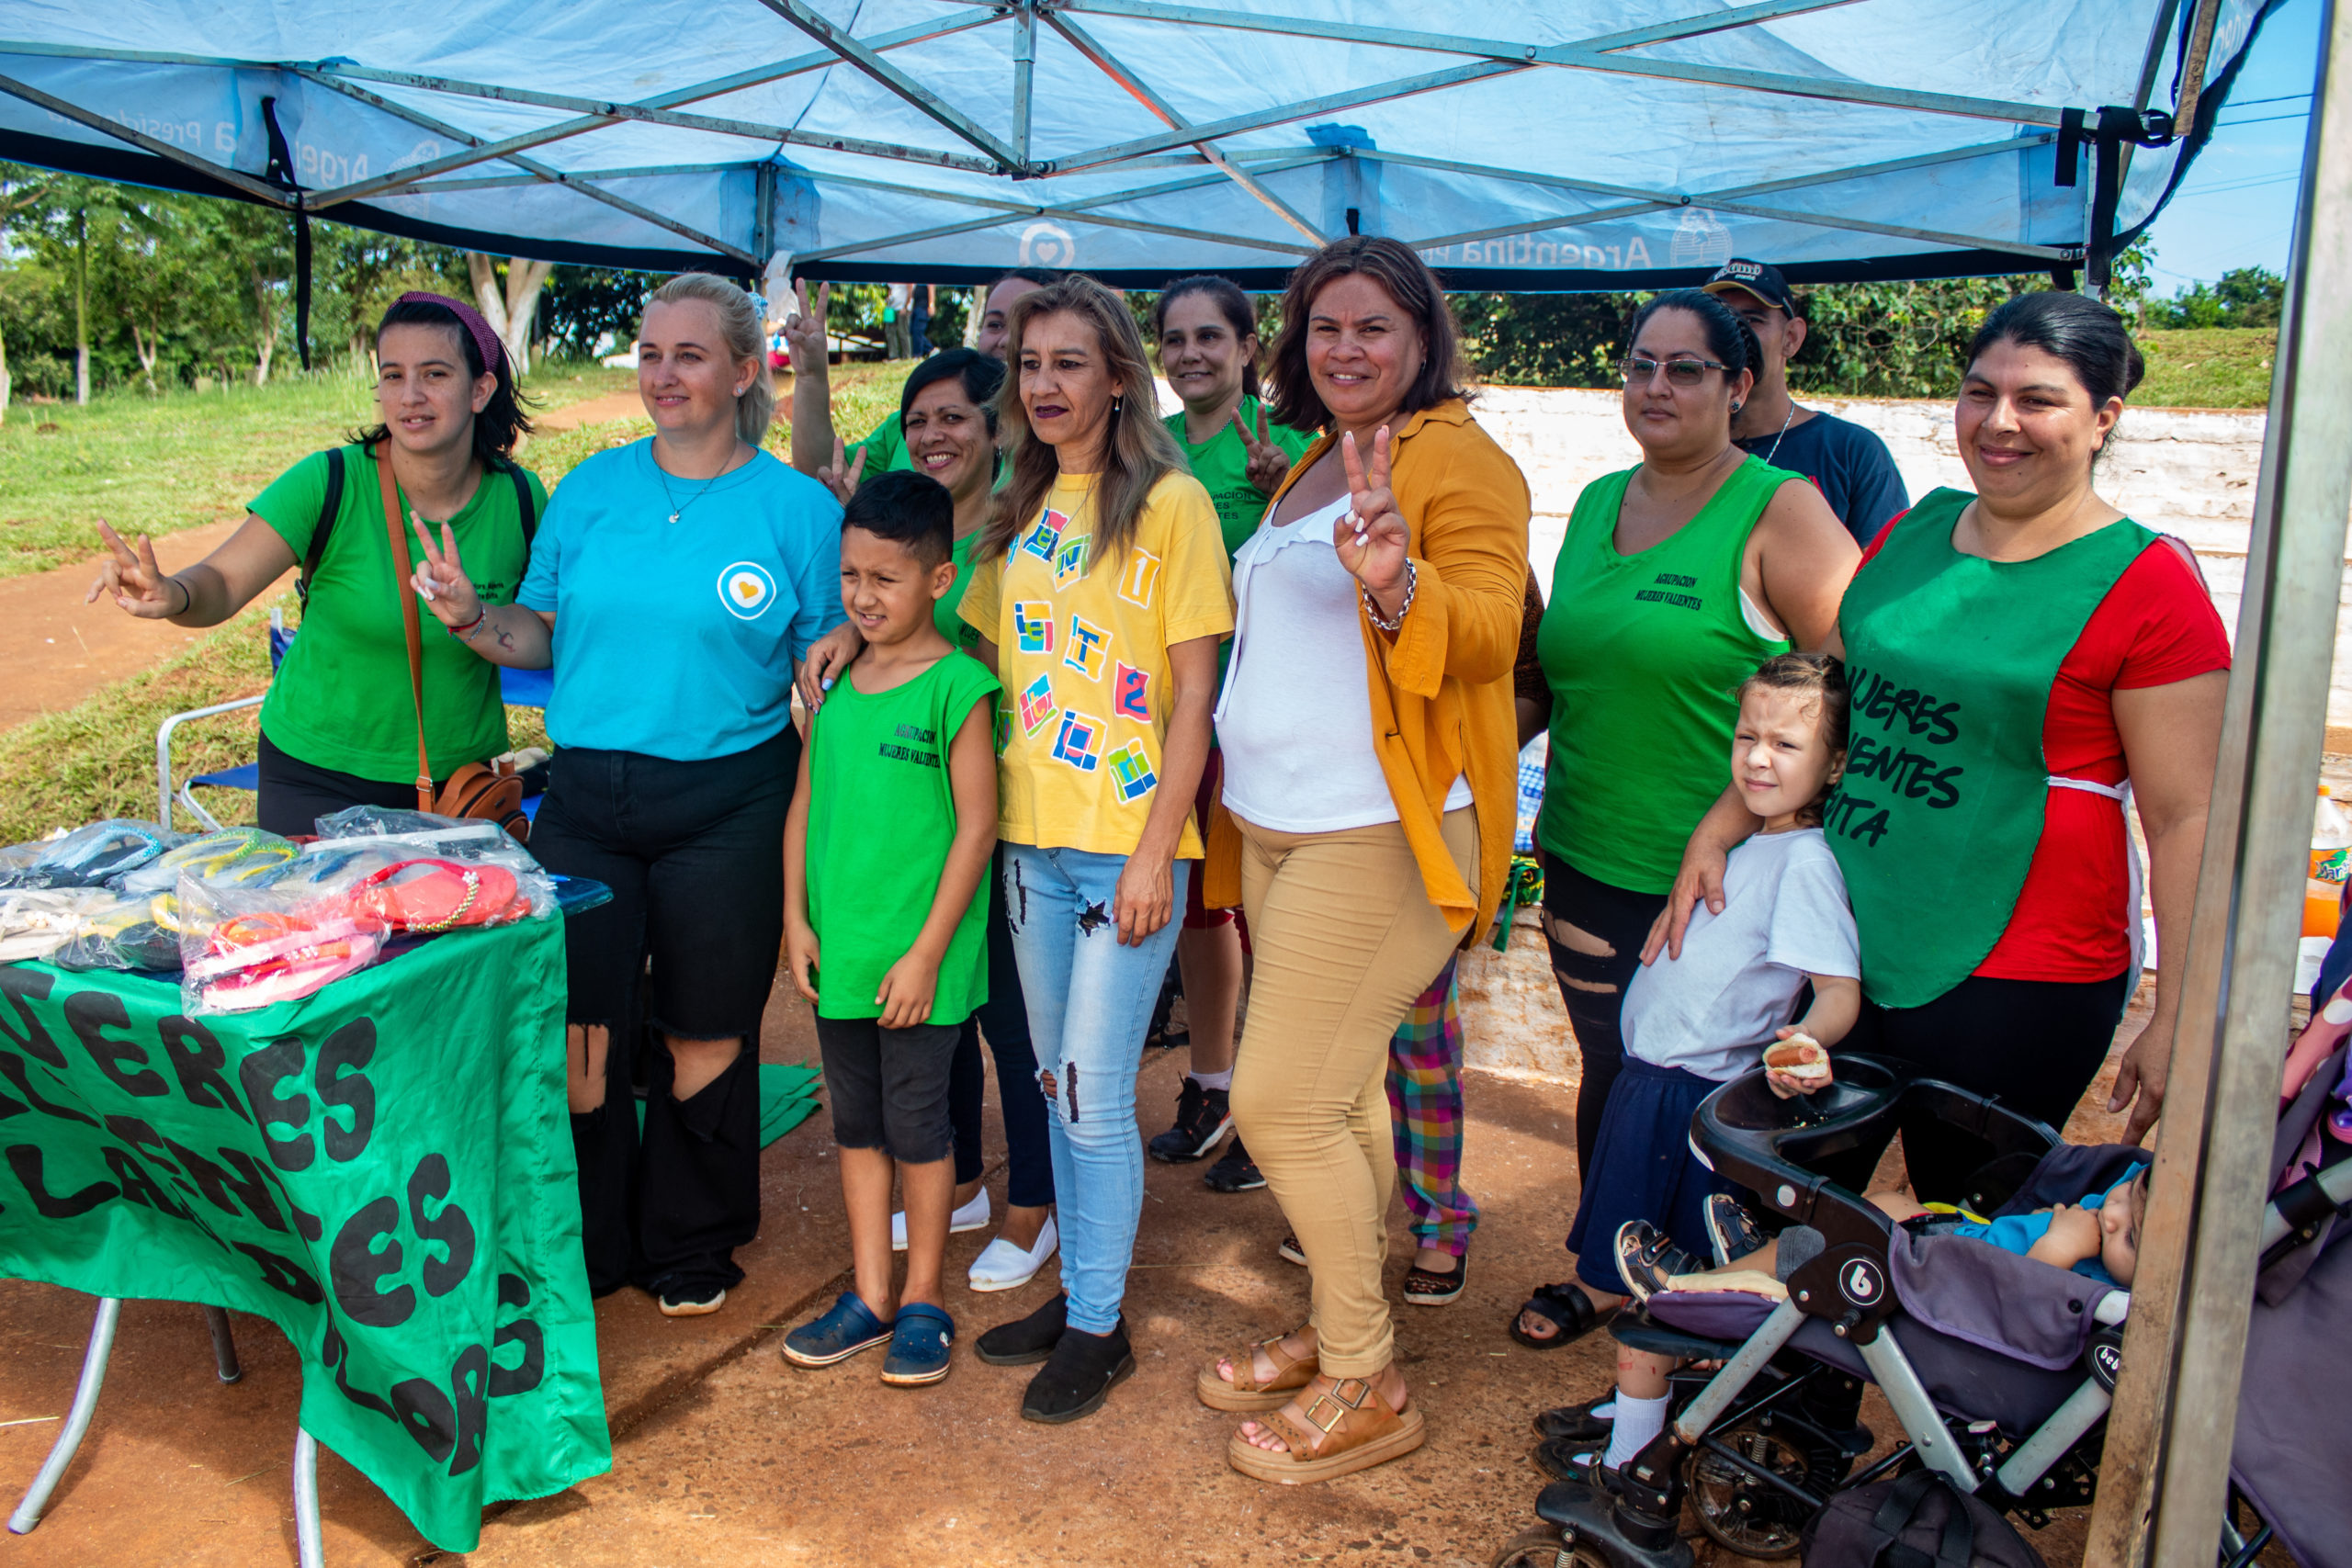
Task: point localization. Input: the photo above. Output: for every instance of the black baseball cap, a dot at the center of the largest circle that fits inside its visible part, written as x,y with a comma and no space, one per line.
1759,279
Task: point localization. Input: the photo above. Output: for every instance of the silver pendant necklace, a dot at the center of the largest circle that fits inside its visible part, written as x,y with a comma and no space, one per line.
677,506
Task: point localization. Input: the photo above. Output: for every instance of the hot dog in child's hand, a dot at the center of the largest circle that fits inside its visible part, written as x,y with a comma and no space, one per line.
1797,1064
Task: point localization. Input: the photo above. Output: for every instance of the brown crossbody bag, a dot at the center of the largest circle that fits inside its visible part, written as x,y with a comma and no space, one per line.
490,791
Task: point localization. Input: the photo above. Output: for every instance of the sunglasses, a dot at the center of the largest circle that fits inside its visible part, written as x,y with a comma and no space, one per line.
1679,372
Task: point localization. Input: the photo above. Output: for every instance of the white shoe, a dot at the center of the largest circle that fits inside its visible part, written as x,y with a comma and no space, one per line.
1002,1266
972,1216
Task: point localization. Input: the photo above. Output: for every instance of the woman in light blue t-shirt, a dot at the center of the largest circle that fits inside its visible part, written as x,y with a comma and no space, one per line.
677,584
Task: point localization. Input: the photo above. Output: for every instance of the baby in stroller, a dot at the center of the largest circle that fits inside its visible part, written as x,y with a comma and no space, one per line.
1999,1366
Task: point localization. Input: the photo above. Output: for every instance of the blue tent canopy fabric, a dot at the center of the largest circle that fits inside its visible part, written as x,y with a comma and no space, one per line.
1519,145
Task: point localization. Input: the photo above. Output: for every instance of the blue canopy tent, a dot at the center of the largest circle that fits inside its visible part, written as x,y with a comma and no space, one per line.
1521,144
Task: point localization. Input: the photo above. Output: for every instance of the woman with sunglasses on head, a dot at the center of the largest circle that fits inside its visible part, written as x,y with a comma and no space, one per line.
1677,578
339,727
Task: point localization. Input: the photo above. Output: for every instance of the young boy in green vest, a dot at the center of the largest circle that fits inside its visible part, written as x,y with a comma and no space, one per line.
893,827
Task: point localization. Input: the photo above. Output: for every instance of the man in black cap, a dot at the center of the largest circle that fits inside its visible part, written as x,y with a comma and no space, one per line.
1849,465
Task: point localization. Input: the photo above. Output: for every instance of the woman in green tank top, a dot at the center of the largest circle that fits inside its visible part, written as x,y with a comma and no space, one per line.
1676,580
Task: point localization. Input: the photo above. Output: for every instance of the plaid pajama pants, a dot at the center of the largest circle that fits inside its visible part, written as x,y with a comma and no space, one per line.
1425,1111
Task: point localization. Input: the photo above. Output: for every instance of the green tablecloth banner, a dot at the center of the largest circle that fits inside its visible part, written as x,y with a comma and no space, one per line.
383,1169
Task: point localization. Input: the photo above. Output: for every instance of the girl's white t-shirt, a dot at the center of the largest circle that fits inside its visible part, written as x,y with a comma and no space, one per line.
1295,719
1785,916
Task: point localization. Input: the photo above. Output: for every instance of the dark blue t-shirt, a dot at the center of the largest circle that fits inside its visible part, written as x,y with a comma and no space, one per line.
1849,465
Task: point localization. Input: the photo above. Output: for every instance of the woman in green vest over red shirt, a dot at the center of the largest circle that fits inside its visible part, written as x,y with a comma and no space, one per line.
1676,580
2021,660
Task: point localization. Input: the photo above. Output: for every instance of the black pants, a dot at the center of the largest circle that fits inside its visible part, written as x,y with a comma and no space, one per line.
1592,986
1004,1020
296,793
693,853
2037,1044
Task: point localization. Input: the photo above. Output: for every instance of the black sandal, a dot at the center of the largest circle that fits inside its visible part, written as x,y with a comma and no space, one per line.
1568,1309
1577,1422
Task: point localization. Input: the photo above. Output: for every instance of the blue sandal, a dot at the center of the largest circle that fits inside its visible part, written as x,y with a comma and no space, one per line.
919,1346
841,1333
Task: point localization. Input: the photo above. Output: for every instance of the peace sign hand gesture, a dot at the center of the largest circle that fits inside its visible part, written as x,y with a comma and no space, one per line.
137,583
440,579
1372,539
842,475
804,330
1268,462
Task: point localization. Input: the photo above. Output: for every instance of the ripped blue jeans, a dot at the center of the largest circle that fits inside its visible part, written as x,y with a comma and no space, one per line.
1089,1005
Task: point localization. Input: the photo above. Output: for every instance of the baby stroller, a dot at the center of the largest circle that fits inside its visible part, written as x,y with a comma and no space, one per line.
2000,1370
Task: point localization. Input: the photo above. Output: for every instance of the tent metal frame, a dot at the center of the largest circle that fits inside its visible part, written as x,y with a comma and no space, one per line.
1181,142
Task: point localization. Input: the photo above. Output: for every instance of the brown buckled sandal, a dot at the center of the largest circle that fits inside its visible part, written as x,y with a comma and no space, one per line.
1245,1392
1353,1425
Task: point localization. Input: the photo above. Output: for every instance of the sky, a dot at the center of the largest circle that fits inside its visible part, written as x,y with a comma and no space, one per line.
2237,206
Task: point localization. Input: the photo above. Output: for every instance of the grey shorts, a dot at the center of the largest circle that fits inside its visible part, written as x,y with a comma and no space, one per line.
888,1087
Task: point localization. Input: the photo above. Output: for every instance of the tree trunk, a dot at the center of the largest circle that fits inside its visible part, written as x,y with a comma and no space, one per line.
81,308
4,377
509,309
148,349
265,331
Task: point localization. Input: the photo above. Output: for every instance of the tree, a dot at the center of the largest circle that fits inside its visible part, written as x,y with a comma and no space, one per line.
583,308
509,309
2251,297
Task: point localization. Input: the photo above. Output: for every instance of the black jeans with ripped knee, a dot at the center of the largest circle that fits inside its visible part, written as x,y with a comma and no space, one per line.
1595,932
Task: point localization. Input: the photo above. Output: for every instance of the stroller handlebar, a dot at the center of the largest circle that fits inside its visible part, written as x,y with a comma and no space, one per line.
1749,1135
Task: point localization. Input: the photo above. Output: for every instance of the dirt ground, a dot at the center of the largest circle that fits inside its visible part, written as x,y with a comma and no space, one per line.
723,1455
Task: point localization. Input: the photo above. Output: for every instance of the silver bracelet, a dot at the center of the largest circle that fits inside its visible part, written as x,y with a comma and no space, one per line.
1412,580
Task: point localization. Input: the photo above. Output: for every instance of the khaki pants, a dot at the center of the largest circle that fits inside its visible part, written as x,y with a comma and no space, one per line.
1344,938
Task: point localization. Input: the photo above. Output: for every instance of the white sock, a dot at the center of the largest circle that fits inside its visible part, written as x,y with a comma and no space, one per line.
1639,1421
1223,1080
1604,1411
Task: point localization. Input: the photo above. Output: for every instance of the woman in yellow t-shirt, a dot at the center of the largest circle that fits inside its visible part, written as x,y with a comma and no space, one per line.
1099,589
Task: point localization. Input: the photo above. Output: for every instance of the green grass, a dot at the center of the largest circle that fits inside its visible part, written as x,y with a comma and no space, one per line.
2207,367
97,758
157,465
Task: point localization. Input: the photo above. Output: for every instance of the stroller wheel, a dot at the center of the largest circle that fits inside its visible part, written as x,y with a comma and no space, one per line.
1544,1549
1745,1514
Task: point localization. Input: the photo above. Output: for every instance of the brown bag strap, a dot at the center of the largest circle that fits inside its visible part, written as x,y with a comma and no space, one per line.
404,567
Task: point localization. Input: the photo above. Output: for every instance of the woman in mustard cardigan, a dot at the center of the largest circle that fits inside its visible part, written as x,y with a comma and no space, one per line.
1368,734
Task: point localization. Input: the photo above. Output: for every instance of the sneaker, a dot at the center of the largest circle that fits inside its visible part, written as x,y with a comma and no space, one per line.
1025,1339
1647,1259
691,1301
972,1216
1235,1171
1291,1250
1732,1231
1202,1119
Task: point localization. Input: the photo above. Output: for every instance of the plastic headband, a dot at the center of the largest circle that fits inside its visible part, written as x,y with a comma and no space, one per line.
492,352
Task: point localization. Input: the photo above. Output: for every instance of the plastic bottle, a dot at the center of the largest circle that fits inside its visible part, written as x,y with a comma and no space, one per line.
2330,859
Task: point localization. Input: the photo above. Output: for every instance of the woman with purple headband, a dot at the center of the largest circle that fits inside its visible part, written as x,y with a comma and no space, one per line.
339,726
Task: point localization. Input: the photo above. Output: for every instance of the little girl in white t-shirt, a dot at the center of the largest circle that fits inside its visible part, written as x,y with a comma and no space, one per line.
1696,1021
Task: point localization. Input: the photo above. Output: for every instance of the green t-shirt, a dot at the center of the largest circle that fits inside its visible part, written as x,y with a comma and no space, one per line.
944,610
881,819
1222,465
886,448
341,700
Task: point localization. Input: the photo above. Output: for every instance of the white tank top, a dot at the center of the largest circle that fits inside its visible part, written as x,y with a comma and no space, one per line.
1295,720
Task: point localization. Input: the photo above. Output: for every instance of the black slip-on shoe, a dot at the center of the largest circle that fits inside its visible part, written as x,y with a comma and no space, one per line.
1027,1339
1078,1375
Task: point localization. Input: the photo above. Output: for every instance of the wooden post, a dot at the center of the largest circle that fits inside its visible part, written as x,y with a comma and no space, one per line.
2164,1479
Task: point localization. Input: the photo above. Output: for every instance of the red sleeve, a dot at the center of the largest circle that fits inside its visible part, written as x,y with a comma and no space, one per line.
1878,543
2155,627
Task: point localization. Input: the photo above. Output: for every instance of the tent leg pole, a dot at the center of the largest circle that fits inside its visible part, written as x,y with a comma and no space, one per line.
2164,1477
306,1501
225,1345
77,1419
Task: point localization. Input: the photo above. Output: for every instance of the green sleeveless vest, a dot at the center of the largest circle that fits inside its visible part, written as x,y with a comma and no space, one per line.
1951,659
1643,654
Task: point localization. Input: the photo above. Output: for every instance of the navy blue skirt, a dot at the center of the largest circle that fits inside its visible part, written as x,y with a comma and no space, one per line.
1642,1169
